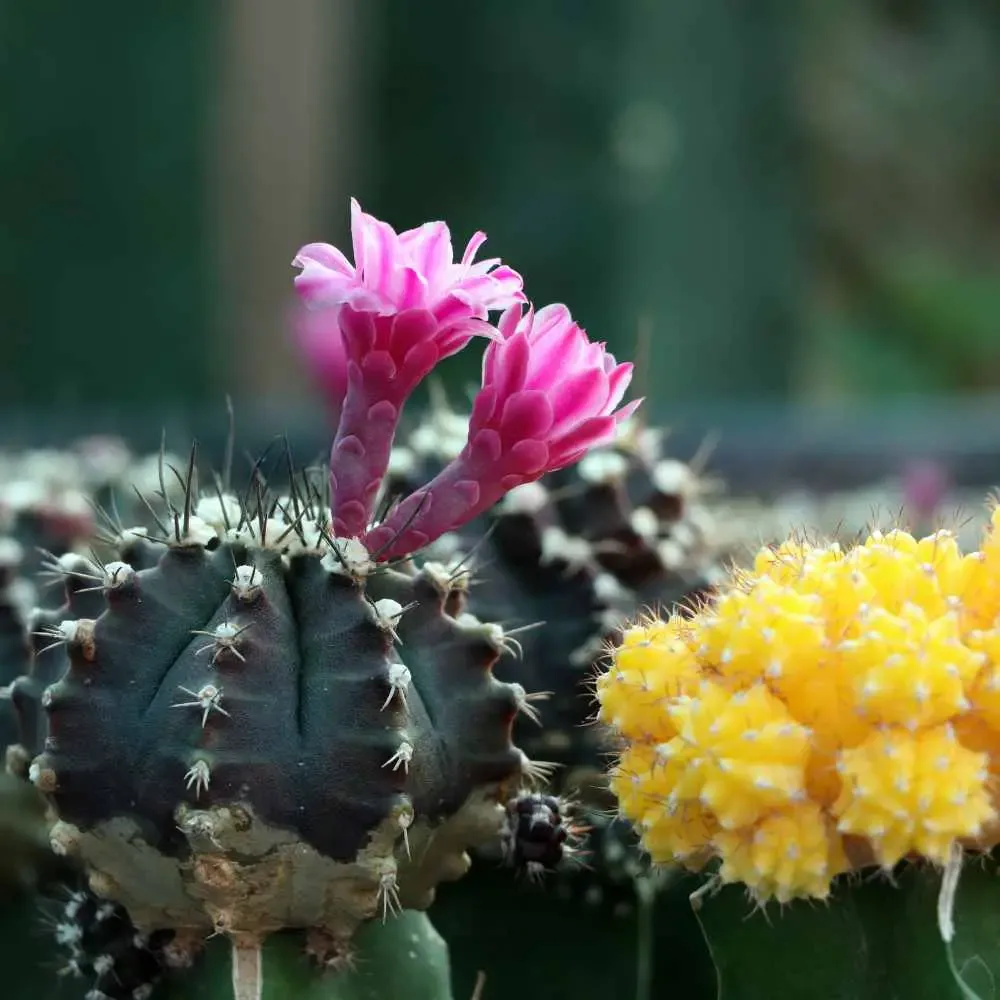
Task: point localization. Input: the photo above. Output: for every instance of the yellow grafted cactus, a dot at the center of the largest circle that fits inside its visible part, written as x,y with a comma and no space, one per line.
654,663
907,791
741,752
787,854
825,694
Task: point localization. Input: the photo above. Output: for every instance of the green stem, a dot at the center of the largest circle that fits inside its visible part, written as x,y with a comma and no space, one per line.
645,892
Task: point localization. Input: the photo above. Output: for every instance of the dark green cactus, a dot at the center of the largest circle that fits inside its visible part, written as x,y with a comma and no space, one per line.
265,729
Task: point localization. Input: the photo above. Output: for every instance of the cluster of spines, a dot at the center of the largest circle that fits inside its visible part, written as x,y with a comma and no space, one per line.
46,632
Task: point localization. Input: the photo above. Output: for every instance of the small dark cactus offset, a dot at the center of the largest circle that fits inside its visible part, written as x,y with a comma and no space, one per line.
539,835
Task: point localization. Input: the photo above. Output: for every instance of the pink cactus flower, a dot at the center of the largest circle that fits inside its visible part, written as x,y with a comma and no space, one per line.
925,488
403,306
319,338
549,395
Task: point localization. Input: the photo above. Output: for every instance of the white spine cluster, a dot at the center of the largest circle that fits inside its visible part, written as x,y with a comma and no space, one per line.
247,583
349,558
222,511
602,465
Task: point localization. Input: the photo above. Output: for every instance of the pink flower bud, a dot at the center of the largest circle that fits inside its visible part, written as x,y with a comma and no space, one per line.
549,395
403,306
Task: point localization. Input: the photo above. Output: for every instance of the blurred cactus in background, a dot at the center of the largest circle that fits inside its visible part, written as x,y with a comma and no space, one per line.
898,113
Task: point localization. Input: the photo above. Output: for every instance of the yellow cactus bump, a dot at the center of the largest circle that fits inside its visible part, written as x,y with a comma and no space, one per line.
829,708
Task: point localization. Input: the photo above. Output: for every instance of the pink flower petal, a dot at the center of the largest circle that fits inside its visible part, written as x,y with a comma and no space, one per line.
511,364
472,248
380,253
510,320
483,408
429,247
325,255
626,411
526,415
481,266
408,288
487,292
528,458
550,317
450,309
319,287
359,225
580,395
419,360
454,340
409,328
508,288
379,366
588,434
485,448
618,383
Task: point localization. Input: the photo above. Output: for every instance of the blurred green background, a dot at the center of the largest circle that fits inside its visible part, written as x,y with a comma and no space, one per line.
798,201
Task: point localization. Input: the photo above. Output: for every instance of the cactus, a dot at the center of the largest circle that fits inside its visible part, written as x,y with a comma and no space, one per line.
245,698
98,945
288,722
829,714
406,957
91,952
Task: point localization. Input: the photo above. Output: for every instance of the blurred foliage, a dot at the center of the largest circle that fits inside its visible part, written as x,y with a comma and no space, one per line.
758,183
901,116
635,160
535,944
105,273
